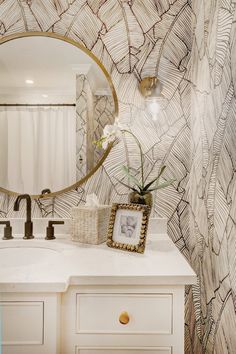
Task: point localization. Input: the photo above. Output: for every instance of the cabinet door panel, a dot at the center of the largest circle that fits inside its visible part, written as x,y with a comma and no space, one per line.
22,322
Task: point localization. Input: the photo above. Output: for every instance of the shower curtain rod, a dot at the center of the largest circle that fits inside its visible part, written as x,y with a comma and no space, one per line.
37,105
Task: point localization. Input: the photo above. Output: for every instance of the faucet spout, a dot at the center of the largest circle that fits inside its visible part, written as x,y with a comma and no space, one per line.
28,224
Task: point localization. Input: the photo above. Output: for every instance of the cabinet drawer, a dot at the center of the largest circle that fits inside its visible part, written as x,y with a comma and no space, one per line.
147,313
22,322
166,350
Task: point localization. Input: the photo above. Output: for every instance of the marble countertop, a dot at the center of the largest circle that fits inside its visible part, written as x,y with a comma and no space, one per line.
80,264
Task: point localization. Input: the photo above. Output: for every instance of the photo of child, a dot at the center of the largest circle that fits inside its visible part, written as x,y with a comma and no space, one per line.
128,226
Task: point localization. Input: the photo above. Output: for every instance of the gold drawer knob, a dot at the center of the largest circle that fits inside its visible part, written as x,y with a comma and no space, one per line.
124,318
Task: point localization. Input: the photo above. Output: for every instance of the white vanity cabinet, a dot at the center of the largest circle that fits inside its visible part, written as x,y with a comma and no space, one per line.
95,300
154,320
87,320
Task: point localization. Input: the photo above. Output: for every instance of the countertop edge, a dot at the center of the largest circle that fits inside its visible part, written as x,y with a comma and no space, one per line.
61,287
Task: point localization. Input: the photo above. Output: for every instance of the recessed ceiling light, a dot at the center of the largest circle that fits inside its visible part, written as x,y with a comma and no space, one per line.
29,81
44,95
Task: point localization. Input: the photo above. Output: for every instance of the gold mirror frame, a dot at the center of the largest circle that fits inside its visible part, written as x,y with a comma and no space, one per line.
92,56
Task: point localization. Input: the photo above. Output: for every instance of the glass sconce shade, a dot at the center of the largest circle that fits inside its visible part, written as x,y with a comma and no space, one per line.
153,107
150,88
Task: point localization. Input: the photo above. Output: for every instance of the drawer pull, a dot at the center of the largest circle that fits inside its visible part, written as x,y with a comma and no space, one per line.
124,318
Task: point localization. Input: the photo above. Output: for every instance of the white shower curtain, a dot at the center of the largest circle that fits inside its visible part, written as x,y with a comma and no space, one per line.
37,148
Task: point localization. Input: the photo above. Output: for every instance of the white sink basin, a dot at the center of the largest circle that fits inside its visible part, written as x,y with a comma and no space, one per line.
23,256
19,252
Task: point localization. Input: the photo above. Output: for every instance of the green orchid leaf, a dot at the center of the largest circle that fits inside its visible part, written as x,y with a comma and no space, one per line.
126,171
155,179
126,185
162,185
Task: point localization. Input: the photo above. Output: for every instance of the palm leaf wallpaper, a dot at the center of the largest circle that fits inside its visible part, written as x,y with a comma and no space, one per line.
212,178
192,45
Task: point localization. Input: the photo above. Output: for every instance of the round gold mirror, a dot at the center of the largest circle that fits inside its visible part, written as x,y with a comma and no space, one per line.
55,99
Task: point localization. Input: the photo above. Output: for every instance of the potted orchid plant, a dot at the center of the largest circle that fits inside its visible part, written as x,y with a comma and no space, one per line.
141,189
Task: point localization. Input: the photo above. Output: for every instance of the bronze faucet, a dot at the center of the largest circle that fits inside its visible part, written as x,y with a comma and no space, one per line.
28,224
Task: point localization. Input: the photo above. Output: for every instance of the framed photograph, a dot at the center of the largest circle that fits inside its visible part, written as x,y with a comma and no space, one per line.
128,227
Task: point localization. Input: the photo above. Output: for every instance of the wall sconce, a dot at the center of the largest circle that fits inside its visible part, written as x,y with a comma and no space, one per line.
150,88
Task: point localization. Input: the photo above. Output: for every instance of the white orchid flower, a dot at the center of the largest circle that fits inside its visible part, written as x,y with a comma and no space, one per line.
110,134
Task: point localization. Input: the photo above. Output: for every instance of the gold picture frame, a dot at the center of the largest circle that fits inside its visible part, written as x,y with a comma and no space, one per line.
128,227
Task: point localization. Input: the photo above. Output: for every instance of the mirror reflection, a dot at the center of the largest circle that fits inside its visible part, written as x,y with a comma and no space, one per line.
54,102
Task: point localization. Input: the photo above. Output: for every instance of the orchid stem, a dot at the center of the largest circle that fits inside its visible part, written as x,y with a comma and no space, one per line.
126,155
141,154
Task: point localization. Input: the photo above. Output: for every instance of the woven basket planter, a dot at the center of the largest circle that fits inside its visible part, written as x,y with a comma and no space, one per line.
90,225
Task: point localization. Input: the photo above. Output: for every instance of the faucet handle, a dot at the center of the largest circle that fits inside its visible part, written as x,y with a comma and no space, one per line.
7,230
50,229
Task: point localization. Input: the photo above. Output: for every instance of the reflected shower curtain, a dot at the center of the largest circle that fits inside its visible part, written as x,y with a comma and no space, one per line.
37,148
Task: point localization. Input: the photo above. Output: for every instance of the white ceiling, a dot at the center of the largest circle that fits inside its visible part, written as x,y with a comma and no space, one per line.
51,63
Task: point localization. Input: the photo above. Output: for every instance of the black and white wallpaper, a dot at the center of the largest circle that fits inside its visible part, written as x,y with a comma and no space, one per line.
82,86
190,45
93,113
212,241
